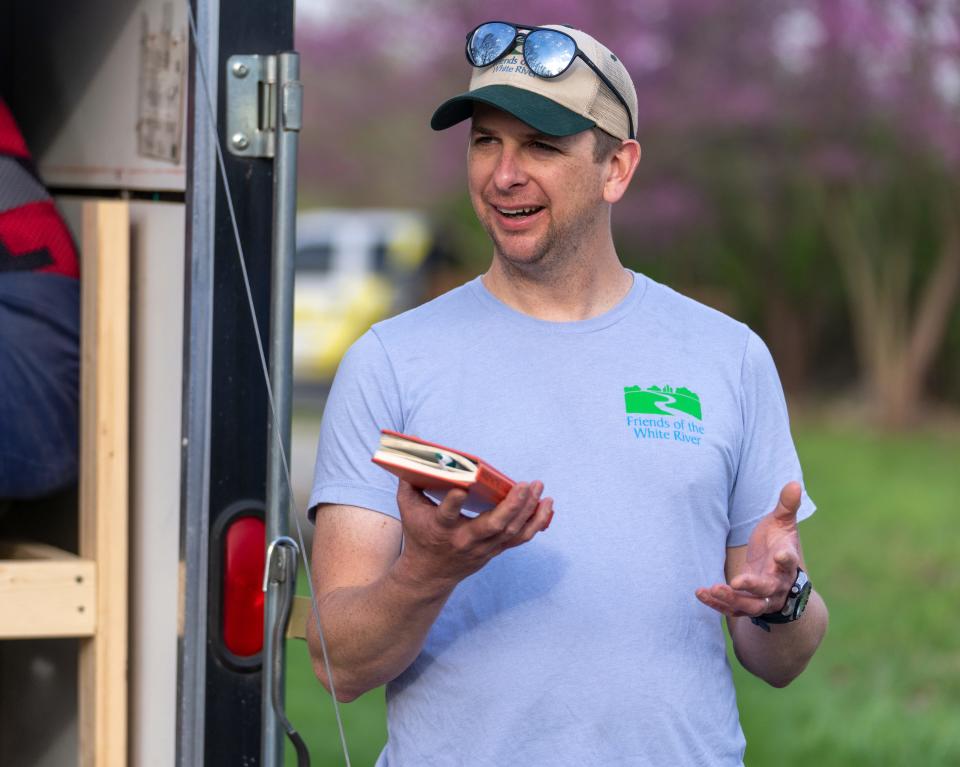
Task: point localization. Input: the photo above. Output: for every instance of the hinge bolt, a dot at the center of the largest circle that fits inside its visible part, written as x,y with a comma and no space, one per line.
240,141
240,69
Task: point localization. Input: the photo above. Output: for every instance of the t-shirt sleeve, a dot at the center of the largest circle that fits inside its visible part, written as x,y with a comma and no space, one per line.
363,400
768,458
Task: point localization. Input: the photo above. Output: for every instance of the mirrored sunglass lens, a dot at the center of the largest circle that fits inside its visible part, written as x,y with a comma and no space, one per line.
548,53
489,41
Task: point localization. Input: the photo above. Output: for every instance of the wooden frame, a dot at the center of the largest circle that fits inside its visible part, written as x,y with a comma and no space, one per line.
104,476
46,592
301,611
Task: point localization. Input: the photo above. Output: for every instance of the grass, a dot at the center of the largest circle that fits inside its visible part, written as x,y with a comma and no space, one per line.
310,710
884,689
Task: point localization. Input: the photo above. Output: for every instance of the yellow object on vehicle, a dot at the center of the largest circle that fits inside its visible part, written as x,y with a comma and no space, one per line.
354,268
326,322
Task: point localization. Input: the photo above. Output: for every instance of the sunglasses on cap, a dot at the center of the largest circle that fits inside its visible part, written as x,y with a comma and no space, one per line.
548,53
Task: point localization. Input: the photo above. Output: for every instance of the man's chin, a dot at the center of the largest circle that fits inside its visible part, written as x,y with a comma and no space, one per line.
520,258
520,251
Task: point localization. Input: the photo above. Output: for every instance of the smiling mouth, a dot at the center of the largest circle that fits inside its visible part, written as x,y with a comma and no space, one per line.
518,212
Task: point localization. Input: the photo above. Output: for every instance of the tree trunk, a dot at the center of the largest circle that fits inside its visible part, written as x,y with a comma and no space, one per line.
787,333
895,346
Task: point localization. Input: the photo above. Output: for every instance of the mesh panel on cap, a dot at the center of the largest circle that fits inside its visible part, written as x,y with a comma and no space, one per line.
606,109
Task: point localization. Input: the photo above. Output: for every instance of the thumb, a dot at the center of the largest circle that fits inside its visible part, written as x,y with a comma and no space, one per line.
449,509
410,497
789,504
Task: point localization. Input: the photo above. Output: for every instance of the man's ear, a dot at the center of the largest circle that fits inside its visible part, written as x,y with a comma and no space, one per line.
620,169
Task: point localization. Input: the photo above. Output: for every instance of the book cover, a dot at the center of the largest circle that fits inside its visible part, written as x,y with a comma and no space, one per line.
436,469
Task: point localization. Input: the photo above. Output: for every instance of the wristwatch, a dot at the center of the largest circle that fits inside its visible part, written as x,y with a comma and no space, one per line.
794,606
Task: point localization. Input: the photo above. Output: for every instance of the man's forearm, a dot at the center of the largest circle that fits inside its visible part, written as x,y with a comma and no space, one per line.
374,632
779,656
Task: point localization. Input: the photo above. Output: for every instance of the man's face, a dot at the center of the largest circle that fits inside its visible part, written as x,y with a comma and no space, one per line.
539,197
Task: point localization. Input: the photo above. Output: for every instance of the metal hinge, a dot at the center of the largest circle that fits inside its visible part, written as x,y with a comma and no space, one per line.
252,110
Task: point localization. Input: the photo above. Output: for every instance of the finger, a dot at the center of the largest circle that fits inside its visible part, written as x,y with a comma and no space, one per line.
759,585
737,602
789,503
704,596
772,587
448,513
516,524
538,522
512,513
787,561
720,605
774,590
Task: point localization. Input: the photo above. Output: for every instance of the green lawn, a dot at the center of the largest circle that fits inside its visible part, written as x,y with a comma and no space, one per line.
885,687
310,710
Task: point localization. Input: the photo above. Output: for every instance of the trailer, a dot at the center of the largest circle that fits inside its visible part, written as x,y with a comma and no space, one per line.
135,628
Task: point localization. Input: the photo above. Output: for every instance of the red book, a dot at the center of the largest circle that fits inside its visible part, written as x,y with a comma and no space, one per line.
432,467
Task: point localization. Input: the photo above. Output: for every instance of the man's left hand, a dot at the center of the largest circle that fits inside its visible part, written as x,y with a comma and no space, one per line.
773,556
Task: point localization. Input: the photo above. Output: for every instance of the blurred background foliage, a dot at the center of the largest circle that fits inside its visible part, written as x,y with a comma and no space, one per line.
800,165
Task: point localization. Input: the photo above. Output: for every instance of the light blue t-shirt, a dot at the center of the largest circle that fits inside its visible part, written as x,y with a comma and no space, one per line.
660,429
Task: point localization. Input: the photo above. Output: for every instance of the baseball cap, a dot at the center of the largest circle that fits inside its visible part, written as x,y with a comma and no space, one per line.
561,106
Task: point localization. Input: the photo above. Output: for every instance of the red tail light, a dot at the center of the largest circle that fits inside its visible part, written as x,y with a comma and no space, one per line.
244,558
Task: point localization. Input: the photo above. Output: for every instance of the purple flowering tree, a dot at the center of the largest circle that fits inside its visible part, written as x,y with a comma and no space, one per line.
802,154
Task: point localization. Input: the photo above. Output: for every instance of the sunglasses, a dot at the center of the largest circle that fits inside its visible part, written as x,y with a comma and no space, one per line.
547,53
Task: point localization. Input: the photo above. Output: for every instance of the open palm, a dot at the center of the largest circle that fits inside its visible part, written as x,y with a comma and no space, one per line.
773,556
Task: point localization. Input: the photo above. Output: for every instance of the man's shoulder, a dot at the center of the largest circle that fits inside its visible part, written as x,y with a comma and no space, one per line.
430,328
694,314
444,315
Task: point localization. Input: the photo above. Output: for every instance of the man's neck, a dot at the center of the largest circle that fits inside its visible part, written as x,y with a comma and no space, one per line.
578,291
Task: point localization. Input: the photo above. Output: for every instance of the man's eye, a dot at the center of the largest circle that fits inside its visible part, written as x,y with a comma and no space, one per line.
477,141
545,147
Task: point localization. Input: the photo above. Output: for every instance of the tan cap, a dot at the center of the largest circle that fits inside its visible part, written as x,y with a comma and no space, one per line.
560,106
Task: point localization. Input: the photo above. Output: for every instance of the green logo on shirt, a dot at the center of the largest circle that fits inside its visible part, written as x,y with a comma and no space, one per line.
666,401
677,414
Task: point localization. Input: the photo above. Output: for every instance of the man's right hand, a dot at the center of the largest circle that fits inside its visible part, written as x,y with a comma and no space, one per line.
443,546
378,601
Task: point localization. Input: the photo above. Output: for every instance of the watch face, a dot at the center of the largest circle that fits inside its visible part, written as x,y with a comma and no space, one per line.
802,599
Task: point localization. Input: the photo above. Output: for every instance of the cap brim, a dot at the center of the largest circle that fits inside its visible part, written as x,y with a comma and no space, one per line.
535,110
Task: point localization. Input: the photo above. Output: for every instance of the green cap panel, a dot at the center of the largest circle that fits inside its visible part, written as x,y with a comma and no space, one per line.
535,110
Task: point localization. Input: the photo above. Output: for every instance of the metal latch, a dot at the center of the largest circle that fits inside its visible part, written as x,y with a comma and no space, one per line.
281,564
252,109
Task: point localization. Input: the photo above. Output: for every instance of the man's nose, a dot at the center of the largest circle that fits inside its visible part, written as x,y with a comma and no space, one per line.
510,171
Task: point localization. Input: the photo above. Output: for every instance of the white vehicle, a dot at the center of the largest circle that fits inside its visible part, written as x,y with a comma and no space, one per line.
353,268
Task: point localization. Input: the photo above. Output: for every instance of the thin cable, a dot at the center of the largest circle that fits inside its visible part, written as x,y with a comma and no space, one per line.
211,118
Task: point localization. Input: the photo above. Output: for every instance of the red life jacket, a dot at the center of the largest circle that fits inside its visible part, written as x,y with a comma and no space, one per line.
33,236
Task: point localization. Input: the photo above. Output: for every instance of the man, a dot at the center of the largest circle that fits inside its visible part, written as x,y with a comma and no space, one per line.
657,424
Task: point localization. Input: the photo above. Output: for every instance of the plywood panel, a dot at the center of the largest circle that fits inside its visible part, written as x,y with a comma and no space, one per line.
100,94
157,287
